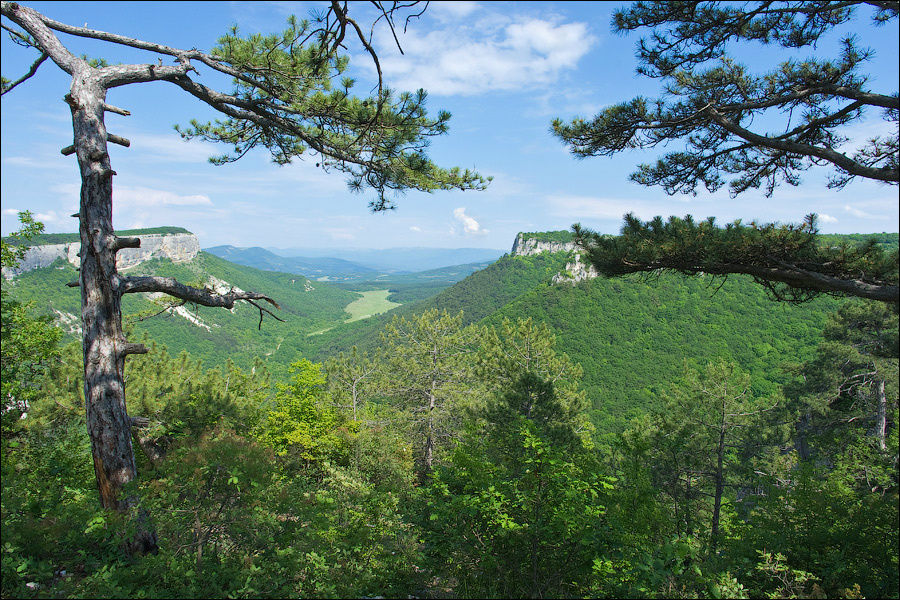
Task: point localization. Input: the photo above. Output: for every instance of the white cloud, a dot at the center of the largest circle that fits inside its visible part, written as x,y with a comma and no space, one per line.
492,53
48,218
450,11
27,161
858,213
144,196
470,225
415,228
11,211
170,147
827,218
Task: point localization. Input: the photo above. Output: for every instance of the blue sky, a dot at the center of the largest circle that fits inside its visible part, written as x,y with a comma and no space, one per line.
504,70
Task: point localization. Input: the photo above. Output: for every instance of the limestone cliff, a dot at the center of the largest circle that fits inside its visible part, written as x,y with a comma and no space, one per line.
526,246
177,247
576,270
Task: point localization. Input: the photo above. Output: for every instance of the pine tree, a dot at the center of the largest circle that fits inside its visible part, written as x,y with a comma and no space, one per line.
718,110
284,100
428,376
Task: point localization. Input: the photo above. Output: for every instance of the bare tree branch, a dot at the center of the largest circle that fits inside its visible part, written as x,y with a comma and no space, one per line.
172,287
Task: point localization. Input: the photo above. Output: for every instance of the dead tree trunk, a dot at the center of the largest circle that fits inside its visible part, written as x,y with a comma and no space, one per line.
881,415
104,344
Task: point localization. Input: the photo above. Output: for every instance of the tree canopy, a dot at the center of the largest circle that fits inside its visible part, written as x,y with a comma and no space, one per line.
788,260
752,130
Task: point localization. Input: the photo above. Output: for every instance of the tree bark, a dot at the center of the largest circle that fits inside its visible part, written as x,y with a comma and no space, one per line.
881,416
104,345
720,481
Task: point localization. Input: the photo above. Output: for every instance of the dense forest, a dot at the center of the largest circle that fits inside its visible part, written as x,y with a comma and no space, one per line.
715,415
503,438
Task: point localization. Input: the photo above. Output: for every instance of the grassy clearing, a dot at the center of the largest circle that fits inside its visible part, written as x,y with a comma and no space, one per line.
372,303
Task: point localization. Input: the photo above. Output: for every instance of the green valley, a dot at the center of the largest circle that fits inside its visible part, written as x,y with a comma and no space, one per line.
605,356
673,385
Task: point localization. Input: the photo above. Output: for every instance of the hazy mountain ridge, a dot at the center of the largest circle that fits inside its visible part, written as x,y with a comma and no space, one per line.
312,267
410,260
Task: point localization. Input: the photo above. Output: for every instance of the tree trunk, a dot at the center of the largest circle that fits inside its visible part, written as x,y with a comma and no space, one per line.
881,416
720,481
104,344
429,436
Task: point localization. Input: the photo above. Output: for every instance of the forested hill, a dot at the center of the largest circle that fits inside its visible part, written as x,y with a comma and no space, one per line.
633,336
214,335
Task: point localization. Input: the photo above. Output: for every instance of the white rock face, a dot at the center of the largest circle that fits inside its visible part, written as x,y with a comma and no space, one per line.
523,247
177,247
576,270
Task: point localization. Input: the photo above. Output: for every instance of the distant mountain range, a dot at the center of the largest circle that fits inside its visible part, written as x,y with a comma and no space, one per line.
393,260
312,267
359,265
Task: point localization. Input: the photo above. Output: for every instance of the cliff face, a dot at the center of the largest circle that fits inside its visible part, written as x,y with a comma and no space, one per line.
527,247
576,270
177,247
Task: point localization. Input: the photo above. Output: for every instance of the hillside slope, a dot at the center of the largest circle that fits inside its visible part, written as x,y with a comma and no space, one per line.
213,334
633,336
479,295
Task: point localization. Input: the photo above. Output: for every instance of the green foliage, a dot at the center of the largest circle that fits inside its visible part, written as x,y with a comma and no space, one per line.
709,428
719,111
779,257
29,343
50,515
13,247
425,357
299,424
509,352
293,87
851,387
518,510
562,236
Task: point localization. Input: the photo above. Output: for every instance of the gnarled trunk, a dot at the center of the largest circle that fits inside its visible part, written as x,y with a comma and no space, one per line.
103,343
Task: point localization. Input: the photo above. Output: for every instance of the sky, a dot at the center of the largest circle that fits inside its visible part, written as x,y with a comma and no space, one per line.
504,70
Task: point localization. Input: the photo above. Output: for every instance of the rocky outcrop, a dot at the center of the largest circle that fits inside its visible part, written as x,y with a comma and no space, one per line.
529,246
576,270
177,247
